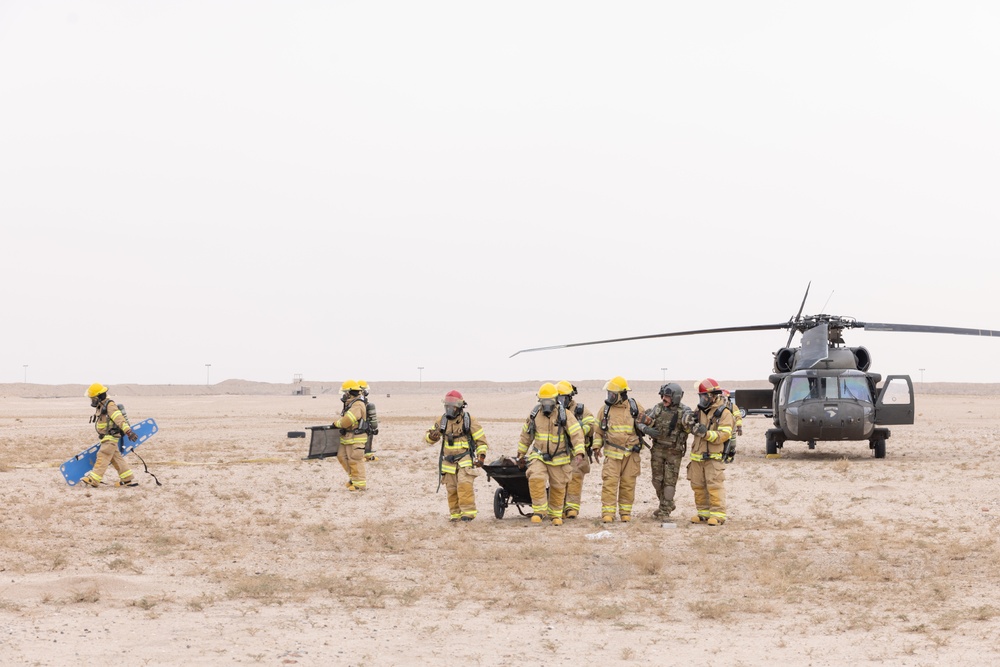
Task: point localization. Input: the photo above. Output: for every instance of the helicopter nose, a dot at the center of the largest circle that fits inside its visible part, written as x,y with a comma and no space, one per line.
823,420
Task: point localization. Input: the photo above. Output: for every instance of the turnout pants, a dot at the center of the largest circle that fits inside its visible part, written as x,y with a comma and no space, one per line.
557,477
352,458
618,484
108,453
707,481
574,489
461,496
665,463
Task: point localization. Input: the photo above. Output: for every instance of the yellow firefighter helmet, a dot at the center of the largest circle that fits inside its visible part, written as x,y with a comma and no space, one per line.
548,390
96,389
616,384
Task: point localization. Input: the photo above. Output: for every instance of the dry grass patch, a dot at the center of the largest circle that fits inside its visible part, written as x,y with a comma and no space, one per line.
649,561
266,588
86,595
710,610
122,565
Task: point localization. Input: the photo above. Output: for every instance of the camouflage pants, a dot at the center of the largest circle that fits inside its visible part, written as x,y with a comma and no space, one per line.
666,466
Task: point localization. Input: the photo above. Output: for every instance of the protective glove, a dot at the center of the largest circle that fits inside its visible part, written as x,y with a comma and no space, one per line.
687,417
579,459
521,463
643,419
650,431
482,459
739,430
597,455
131,435
699,430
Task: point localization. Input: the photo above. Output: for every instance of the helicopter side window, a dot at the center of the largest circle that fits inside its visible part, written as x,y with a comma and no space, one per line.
896,393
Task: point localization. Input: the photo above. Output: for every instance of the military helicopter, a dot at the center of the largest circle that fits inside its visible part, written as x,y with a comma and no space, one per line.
822,390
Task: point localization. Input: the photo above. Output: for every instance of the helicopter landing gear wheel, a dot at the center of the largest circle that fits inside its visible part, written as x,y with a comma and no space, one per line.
771,445
878,445
500,502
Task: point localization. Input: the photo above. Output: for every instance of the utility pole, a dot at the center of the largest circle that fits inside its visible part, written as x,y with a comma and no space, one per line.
921,375
664,369
25,373
421,369
208,374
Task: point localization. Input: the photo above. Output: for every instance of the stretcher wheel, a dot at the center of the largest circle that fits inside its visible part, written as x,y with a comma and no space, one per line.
500,502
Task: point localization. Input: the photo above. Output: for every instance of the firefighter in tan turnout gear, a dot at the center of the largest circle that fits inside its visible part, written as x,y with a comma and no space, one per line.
372,418
712,428
617,436
463,450
669,435
111,425
550,439
353,425
581,466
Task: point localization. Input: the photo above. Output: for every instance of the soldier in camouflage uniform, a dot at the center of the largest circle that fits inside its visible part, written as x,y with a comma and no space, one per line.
669,444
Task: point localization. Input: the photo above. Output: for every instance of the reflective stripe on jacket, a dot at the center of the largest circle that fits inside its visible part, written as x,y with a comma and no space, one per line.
720,429
620,433
352,415
110,422
558,445
456,443
587,421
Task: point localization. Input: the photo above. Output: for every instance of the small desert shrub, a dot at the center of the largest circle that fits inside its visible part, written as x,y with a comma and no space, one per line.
263,587
87,595
710,610
649,561
608,612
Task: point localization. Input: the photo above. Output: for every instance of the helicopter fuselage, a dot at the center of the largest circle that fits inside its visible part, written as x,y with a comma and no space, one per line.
825,405
831,403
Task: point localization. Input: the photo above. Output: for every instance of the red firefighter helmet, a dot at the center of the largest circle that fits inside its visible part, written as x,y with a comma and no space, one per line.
453,397
709,386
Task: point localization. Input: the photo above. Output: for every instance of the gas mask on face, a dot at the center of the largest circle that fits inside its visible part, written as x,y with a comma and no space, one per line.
94,402
452,410
548,405
564,399
612,398
704,401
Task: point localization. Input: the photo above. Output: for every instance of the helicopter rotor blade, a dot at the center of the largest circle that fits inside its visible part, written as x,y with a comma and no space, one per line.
791,331
924,328
756,327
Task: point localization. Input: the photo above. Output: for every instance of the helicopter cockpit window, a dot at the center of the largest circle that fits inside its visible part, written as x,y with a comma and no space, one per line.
855,387
798,389
828,388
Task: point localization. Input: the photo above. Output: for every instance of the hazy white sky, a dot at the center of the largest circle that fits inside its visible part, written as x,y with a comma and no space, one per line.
358,189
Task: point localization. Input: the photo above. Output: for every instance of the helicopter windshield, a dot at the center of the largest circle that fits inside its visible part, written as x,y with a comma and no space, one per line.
801,387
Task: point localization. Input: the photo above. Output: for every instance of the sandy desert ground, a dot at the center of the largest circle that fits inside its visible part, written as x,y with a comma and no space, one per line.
248,554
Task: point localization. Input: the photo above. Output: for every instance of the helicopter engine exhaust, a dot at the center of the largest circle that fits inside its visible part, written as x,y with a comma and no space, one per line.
784,360
862,358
